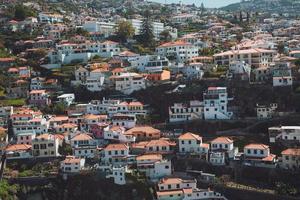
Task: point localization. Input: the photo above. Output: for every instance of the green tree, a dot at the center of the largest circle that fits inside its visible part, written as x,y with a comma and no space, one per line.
7,191
165,36
65,149
21,12
146,34
59,109
124,31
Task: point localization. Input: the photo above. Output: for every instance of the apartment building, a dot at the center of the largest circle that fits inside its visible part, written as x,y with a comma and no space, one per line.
115,153
45,145
179,51
92,80
180,112
157,27
216,103
254,57
39,98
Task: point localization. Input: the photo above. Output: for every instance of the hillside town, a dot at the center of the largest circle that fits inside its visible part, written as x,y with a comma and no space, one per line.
132,99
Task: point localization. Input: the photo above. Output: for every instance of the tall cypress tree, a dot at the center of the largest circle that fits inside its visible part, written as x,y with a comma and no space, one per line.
146,32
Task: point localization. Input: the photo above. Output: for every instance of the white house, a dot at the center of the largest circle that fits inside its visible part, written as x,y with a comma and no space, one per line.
127,121
84,146
115,153
105,28
216,103
192,144
259,155
71,164
93,80
184,112
118,173
291,158
127,83
149,63
154,166
116,133
67,99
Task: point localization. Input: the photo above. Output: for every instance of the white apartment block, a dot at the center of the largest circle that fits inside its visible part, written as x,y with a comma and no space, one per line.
185,112
67,53
67,99
254,57
239,69
149,63
50,18
105,28
216,103
127,83
157,27
284,133
179,51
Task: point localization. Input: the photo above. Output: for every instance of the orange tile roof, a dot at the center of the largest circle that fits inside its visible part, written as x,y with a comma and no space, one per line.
82,136
18,147
71,159
222,140
176,43
45,136
116,147
205,145
269,158
142,129
37,91
256,146
168,181
149,157
189,136
293,152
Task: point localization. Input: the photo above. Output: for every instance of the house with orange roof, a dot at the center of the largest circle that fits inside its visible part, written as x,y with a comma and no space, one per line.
72,164
183,189
93,80
222,150
190,143
259,155
39,98
84,146
128,82
154,166
45,145
290,159
115,153
144,133
66,127
18,151
90,120
117,134
179,50
161,146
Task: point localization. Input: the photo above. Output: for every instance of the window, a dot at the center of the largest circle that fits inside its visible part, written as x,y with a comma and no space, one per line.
167,167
